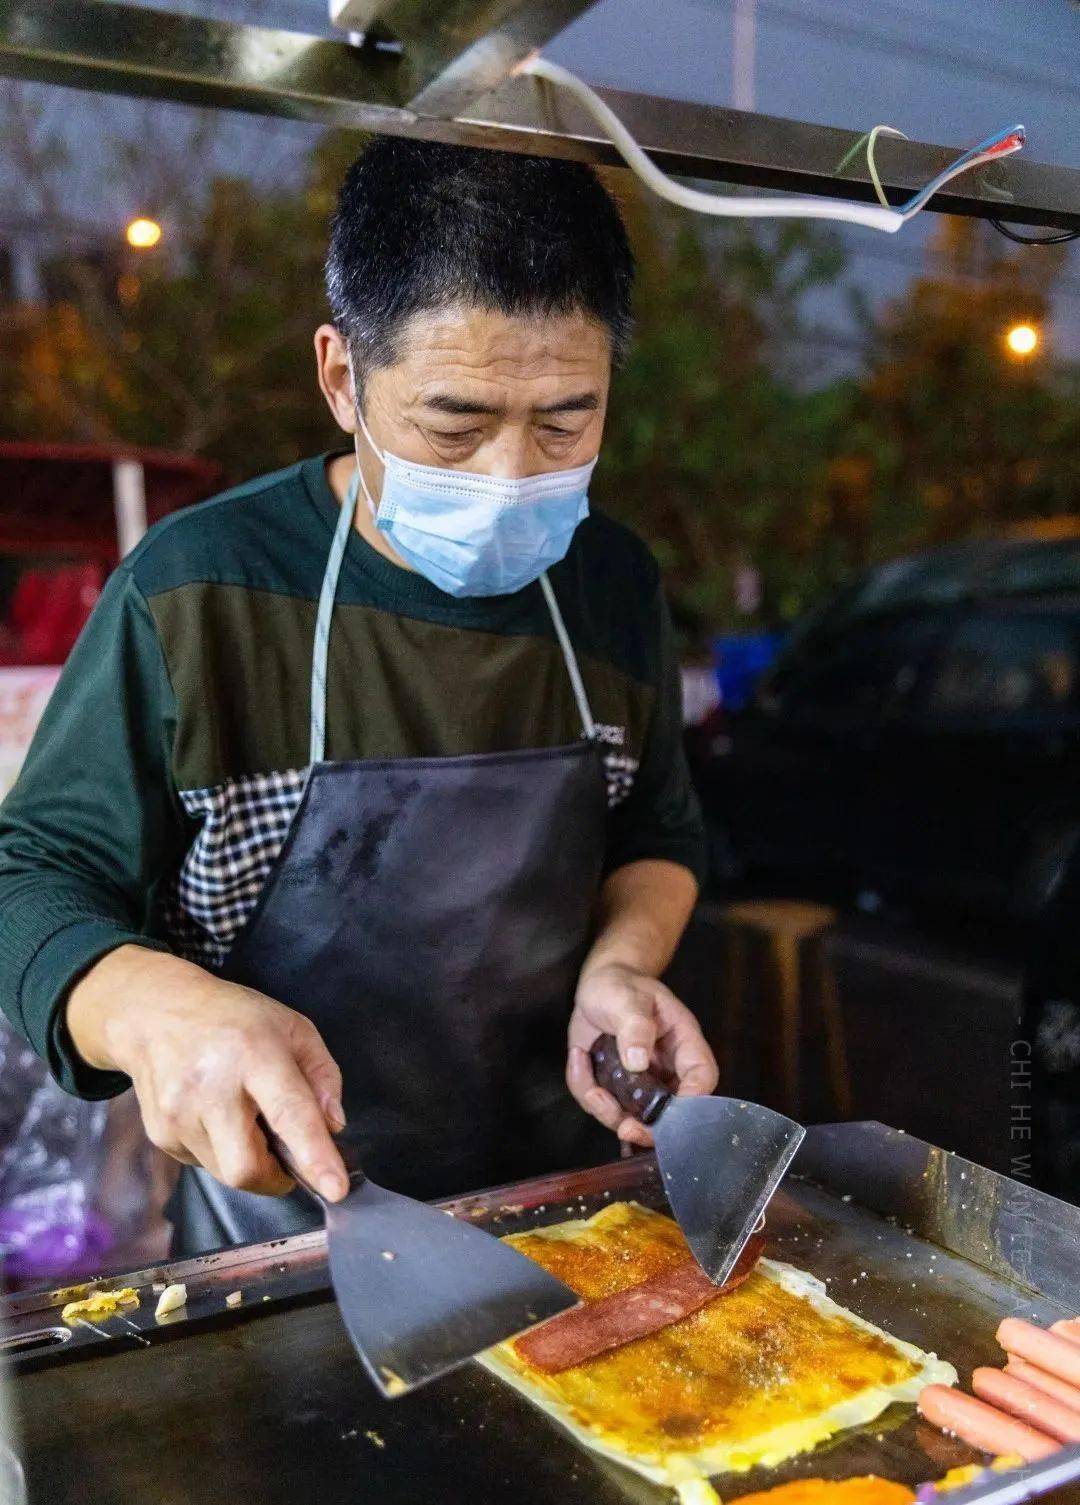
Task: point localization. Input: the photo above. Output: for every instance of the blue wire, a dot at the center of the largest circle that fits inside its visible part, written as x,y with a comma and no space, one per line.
920,198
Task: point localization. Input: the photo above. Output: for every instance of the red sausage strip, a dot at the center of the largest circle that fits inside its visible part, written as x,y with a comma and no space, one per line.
981,1425
1054,1354
1049,1384
587,1331
1022,1400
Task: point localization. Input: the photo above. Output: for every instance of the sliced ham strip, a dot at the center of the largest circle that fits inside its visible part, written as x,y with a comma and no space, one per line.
983,1426
587,1331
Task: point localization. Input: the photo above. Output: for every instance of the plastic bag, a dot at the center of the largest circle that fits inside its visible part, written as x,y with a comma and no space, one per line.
50,1160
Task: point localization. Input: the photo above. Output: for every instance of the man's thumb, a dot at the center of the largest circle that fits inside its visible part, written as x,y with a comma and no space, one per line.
635,1032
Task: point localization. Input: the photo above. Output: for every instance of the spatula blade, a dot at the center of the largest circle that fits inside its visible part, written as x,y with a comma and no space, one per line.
721,1160
421,1292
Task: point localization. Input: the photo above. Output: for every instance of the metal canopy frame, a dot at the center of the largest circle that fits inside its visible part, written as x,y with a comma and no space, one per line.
443,72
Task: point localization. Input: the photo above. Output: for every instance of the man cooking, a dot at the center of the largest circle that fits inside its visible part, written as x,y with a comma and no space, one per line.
364,781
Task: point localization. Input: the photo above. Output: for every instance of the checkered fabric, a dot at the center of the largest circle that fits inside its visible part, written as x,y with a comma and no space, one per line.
244,825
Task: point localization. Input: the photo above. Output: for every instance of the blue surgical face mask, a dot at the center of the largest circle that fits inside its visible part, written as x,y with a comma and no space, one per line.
477,535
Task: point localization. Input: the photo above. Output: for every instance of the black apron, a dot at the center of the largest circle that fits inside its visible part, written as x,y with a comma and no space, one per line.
430,916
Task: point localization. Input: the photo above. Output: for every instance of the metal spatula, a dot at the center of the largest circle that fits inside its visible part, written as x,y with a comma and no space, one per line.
721,1158
421,1292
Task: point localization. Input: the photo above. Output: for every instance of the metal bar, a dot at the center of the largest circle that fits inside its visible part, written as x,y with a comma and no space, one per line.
455,51
126,49
129,50
768,151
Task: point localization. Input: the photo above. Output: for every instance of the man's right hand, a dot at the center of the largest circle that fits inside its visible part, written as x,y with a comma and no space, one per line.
205,1057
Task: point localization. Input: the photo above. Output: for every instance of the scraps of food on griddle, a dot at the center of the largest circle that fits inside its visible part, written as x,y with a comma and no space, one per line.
172,1298
965,1474
100,1304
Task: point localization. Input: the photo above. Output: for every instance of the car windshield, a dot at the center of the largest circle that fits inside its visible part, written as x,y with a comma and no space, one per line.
1004,665
860,672
939,580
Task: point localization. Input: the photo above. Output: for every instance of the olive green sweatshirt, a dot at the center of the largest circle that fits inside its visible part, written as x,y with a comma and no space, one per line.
161,782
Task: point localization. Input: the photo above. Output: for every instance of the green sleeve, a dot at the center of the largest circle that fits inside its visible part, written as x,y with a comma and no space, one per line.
91,825
661,817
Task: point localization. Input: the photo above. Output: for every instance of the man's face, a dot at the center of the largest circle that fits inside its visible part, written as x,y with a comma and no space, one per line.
480,391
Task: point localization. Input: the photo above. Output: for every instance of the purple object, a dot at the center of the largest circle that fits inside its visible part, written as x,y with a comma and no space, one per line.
38,1247
50,1161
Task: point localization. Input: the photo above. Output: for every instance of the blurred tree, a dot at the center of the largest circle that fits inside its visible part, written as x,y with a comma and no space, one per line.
950,433
713,372
202,344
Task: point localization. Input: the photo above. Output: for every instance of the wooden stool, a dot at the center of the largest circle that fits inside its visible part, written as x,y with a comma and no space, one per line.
796,935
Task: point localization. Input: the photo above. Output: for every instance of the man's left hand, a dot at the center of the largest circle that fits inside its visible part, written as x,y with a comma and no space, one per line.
653,1029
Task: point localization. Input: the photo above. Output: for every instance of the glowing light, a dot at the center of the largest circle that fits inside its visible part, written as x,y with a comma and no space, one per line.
1022,339
143,234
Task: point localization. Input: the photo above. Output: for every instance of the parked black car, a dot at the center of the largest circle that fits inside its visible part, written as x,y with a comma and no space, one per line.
919,736
1044,1059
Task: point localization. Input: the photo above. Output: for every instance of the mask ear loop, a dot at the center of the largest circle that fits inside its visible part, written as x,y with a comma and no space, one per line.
379,454
367,494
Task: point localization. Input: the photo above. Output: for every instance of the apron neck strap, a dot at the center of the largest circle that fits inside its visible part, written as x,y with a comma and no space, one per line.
317,746
588,725
328,593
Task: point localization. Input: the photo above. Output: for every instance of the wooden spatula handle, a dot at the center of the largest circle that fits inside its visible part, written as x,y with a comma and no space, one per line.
639,1093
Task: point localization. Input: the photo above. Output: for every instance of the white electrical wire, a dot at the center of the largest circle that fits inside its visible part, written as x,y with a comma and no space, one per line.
871,216
879,130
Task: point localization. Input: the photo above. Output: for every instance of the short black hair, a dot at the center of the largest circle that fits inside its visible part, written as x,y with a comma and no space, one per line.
420,225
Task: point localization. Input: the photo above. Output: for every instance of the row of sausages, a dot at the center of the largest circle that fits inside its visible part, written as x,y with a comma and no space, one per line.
1030,1407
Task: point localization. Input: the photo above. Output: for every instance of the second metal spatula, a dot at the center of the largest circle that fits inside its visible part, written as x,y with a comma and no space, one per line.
421,1292
721,1158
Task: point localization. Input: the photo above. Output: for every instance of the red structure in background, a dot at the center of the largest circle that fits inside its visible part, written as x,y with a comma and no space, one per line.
67,514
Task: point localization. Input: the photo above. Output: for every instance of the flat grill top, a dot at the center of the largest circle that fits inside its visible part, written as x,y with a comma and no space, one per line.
269,1402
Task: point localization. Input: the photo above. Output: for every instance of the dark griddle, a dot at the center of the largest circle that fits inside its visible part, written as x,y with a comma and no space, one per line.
268,1405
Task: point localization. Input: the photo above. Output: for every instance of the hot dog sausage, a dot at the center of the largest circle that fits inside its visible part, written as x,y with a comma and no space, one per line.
1068,1327
1049,1351
981,1425
1031,1374
1037,1408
